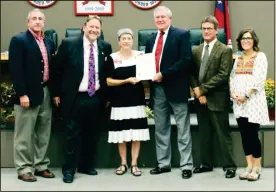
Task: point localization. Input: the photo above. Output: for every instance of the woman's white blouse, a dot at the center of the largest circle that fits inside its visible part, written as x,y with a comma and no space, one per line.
254,108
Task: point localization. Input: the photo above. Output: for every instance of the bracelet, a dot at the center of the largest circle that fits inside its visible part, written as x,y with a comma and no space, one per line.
246,96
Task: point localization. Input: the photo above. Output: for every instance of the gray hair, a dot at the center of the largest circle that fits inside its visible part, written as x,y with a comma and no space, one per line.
35,10
124,31
90,17
162,8
210,19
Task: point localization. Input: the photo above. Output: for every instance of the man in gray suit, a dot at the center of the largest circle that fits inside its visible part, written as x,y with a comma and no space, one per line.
170,90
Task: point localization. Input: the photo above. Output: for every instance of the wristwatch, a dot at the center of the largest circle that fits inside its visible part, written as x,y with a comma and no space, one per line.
246,96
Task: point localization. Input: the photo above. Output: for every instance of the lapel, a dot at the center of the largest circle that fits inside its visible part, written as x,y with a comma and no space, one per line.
198,55
168,41
33,42
79,53
213,52
101,54
48,46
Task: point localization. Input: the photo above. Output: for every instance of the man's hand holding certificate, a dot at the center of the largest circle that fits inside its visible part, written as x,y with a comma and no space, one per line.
145,66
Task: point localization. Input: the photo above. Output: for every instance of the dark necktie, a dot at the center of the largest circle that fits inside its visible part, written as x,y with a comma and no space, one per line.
91,78
203,63
158,50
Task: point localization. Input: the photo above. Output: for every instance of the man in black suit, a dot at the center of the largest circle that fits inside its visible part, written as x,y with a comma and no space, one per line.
29,60
80,93
170,90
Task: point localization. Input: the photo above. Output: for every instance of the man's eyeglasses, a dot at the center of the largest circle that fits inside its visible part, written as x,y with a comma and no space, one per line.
206,28
246,38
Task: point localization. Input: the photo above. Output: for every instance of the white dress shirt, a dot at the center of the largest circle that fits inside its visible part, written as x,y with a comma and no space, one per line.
211,45
164,41
86,49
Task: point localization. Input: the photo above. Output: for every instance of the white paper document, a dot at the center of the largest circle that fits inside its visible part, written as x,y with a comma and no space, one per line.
145,66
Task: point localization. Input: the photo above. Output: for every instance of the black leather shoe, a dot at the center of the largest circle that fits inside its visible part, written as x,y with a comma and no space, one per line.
230,173
159,170
186,174
91,171
68,178
202,169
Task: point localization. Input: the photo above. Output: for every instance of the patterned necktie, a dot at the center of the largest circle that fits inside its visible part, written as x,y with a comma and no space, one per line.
91,78
158,51
203,63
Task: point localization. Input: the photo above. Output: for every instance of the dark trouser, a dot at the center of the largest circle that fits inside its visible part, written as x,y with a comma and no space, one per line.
82,133
217,122
250,140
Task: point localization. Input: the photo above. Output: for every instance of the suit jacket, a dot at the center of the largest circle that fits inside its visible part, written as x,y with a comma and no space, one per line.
68,71
174,64
27,66
216,76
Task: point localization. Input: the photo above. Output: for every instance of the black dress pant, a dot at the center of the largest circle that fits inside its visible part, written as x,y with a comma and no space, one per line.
215,124
250,140
82,133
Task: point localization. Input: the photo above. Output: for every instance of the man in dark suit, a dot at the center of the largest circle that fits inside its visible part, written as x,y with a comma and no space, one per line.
212,64
80,92
170,90
29,60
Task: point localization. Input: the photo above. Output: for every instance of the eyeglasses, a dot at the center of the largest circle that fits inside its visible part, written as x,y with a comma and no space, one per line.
206,28
246,38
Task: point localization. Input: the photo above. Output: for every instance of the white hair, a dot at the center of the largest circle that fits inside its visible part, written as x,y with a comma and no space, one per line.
162,8
35,10
124,31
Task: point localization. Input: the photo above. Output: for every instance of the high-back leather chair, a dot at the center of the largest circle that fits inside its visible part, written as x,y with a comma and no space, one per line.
143,36
195,37
72,32
52,34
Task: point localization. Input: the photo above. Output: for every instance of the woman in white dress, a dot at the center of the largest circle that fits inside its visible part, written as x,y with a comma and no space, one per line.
128,120
247,81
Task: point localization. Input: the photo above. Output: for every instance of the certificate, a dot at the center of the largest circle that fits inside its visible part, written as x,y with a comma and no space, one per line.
145,66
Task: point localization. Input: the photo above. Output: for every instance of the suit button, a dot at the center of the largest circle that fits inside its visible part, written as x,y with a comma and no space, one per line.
42,71
42,61
41,83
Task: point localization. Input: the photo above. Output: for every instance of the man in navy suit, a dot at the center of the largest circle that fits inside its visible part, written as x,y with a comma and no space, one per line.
29,60
170,90
80,88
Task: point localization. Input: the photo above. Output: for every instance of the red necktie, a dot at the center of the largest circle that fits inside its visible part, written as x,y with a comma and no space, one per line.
158,50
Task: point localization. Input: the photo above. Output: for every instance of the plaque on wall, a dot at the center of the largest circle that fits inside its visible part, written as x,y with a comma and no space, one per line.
145,4
94,7
42,4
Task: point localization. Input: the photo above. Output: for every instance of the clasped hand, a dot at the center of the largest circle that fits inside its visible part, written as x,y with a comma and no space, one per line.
239,99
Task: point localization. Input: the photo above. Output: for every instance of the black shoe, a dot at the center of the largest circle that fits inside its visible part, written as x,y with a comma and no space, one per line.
68,178
186,174
202,169
90,171
230,173
159,170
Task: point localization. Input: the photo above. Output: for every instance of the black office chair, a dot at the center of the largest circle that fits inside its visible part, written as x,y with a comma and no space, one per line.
72,32
52,34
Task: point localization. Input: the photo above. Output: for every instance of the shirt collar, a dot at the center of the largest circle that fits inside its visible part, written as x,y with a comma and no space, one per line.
86,42
211,44
165,32
41,37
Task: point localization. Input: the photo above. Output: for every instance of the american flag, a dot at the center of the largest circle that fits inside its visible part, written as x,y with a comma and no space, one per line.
222,15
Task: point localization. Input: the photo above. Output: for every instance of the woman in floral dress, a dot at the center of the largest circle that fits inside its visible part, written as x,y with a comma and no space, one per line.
247,90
